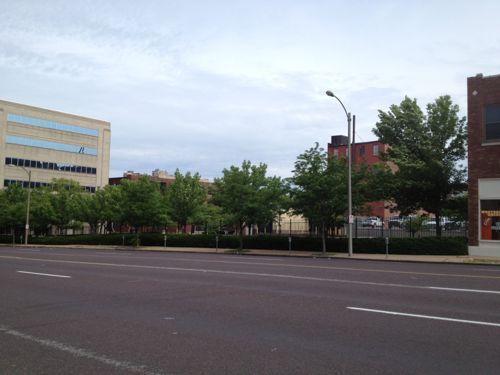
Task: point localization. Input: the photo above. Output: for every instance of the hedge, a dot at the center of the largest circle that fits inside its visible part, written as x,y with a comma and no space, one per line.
412,246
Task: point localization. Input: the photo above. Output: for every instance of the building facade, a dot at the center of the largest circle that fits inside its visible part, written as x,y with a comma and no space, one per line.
483,103
158,175
363,152
39,145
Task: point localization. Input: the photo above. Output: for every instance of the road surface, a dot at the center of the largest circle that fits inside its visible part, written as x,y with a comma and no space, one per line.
122,312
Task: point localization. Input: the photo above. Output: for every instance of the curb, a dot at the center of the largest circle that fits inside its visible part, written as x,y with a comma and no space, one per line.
277,253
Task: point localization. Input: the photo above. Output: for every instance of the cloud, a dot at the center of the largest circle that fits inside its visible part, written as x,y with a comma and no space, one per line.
201,85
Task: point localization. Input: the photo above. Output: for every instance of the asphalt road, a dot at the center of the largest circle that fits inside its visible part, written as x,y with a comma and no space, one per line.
68,311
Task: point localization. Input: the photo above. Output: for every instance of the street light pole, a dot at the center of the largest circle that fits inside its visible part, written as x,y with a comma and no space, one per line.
27,226
350,218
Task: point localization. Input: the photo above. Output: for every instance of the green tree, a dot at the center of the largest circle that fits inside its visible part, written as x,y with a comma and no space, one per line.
13,208
141,203
426,148
65,202
90,210
185,197
211,217
42,214
319,189
247,195
109,203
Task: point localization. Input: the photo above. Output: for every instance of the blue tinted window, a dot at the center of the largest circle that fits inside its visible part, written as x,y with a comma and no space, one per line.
34,184
12,139
46,165
26,120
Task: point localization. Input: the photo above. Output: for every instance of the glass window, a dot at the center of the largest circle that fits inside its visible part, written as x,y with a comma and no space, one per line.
20,162
26,120
94,171
14,161
24,141
51,166
45,165
492,122
33,163
490,219
26,163
8,161
362,150
376,150
335,152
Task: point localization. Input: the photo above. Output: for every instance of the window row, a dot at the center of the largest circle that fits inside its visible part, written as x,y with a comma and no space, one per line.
33,121
361,151
35,184
63,167
24,141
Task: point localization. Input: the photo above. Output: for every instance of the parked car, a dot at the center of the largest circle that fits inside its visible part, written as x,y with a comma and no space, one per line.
372,222
395,222
430,224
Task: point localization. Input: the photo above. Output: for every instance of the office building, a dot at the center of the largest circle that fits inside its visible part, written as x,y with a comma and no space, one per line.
38,145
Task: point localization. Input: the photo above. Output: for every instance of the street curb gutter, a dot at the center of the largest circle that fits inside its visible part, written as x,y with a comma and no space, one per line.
466,260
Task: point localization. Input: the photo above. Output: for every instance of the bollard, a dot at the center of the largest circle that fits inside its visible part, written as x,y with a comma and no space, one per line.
386,247
217,243
289,245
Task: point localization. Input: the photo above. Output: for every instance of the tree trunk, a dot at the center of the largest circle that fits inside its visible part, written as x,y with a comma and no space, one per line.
241,238
438,224
323,237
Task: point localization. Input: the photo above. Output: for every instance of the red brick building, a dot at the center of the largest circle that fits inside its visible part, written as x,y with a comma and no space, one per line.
483,102
164,179
367,152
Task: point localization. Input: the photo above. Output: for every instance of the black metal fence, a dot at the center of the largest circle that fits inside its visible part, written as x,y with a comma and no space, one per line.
377,228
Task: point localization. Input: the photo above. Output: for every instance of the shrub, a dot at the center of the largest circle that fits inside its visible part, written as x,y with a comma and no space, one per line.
411,246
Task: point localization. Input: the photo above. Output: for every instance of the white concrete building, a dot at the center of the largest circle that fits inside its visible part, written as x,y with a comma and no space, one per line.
47,144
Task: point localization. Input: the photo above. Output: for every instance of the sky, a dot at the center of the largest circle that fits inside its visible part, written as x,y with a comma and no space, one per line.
201,85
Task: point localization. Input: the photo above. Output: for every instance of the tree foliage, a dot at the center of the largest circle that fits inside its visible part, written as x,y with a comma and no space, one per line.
248,196
141,203
13,207
426,148
319,189
185,198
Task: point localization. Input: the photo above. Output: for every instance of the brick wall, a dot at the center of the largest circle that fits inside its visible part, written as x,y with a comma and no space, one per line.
484,159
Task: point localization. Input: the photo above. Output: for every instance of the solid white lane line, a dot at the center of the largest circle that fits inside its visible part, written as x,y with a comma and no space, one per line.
465,290
45,274
334,268
241,273
78,352
426,316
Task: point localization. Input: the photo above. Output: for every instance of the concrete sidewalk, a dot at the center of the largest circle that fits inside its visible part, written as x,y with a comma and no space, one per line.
457,259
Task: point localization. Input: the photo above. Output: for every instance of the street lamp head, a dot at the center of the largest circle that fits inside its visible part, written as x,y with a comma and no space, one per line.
329,93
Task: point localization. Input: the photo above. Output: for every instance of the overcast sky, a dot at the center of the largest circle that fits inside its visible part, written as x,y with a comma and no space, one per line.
201,85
